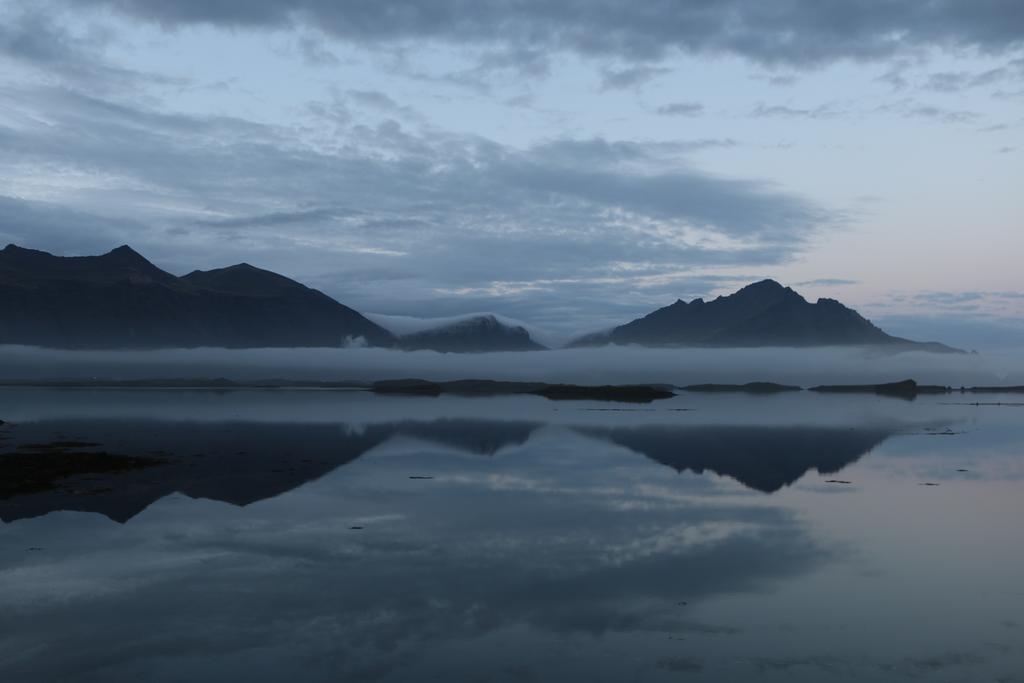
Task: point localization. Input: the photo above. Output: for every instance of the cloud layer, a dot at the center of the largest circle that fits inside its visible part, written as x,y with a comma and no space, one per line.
795,32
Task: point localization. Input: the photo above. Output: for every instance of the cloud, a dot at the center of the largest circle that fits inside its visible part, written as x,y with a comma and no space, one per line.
66,231
629,77
799,33
827,282
966,319
34,38
942,114
31,38
280,218
315,53
373,98
782,79
823,111
965,330
955,81
909,108
681,109
1008,94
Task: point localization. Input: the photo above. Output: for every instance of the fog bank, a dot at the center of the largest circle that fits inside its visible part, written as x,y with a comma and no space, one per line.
404,324
583,366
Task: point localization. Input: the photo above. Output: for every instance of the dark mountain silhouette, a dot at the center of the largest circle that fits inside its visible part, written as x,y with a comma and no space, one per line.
479,334
762,314
118,468
121,300
761,458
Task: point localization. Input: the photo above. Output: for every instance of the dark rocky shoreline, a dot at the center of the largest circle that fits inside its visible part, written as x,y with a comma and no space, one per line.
485,387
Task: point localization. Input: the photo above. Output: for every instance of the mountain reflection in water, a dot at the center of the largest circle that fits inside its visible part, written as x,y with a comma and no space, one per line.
759,457
325,537
244,462
234,462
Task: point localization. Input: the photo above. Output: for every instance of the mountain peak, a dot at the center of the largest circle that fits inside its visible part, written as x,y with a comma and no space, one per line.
14,250
126,256
764,313
118,265
767,285
765,291
123,250
243,278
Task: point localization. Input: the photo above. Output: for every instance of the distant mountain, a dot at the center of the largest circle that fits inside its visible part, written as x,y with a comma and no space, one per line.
480,334
762,314
121,300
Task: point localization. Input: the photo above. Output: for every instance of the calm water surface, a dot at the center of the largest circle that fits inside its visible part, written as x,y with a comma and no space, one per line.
341,536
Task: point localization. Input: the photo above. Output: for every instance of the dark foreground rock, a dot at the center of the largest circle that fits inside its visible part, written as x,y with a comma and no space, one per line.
418,387
44,467
748,388
632,393
994,390
627,393
237,463
905,389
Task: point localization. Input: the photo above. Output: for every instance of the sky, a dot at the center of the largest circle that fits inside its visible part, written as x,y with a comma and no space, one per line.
572,165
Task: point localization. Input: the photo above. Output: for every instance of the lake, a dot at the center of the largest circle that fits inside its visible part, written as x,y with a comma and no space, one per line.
269,535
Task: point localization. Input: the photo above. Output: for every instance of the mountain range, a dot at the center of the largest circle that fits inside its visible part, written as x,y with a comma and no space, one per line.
241,463
120,300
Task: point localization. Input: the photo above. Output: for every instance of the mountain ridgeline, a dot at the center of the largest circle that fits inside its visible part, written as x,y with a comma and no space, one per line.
761,314
119,300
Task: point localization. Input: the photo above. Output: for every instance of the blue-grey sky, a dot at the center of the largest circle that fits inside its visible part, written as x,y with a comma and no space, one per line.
569,164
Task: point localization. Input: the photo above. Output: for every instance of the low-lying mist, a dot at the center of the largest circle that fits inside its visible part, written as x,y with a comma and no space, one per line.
606,365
